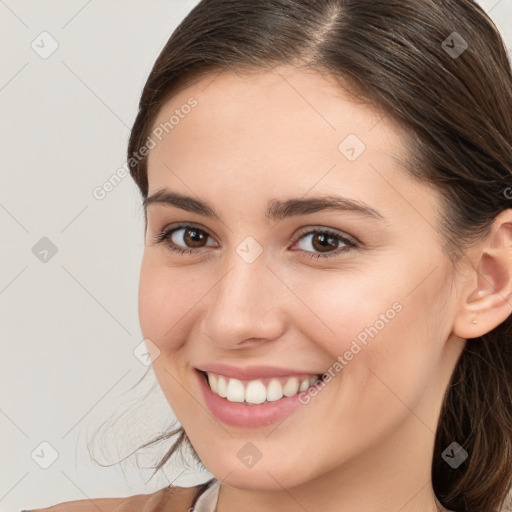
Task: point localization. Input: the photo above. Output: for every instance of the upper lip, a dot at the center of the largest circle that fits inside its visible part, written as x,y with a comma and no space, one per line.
251,372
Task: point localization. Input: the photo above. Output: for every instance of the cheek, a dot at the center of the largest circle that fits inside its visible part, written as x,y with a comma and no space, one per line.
165,294
338,310
379,322
384,352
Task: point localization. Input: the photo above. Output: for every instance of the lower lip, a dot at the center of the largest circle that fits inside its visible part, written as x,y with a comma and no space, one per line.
241,414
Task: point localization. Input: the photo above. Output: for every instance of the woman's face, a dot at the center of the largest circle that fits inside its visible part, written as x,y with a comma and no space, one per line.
375,312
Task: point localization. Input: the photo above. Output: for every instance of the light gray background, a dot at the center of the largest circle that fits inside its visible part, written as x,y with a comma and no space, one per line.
69,325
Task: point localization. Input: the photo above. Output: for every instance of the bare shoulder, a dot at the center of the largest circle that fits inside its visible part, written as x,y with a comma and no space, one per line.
170,499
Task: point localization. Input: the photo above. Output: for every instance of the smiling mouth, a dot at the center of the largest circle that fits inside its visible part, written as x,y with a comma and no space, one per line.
258,391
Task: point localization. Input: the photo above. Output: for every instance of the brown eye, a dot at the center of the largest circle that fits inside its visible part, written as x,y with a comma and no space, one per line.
326,242
192,237
184,238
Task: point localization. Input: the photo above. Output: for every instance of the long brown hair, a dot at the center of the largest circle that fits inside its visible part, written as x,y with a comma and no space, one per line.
441,70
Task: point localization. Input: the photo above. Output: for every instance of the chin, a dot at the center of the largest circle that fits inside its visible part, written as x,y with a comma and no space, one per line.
270,477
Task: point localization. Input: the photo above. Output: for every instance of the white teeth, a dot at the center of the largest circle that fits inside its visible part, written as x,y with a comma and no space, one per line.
255,392
274,390
212,380
235,391
291,387
222,386
305,384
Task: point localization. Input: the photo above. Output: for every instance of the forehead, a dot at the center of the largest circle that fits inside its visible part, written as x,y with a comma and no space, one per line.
299,103
283,132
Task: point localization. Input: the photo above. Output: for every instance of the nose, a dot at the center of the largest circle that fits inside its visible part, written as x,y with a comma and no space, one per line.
245,307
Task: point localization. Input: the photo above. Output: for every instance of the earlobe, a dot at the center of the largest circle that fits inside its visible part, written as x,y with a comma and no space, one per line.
485,301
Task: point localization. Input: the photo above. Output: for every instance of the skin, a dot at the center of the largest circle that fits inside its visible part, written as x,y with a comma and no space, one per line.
365,442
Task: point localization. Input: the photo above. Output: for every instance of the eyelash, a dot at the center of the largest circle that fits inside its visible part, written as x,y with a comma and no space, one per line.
166,234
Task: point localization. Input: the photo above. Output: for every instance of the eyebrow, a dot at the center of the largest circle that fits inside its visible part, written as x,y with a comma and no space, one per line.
276,209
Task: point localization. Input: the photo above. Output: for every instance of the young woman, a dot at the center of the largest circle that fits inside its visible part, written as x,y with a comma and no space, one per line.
327,275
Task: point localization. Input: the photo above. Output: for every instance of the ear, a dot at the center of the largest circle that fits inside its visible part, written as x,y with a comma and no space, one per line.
485,300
